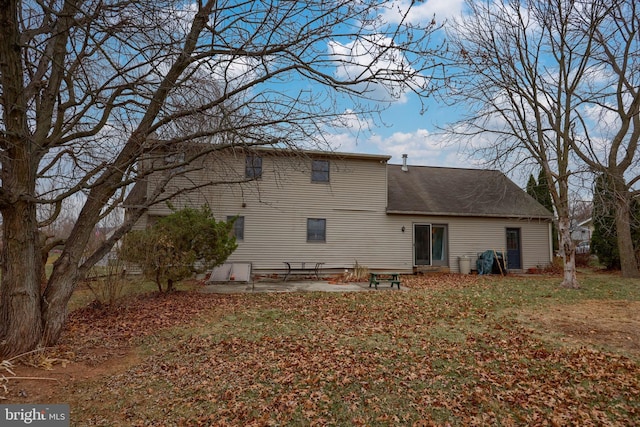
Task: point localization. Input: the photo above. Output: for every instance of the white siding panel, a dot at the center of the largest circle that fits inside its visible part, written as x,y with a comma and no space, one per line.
277,206
276,209
536,244
469,236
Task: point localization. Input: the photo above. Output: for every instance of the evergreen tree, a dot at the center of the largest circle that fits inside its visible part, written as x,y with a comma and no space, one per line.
604,241
604,238
540,191
544,197
531,187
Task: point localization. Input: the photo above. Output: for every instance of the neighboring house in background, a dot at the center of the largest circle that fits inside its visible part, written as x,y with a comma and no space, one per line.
582,231
343,208
581,234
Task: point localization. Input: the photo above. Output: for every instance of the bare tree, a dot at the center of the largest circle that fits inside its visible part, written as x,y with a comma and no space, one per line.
524,67
608,128
87,87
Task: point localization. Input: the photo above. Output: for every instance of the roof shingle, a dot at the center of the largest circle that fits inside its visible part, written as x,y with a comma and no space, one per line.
459,192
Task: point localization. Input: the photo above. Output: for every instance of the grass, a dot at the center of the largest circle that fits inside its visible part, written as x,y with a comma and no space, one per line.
452,351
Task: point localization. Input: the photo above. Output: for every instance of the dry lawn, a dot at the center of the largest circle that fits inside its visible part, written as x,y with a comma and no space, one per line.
453,350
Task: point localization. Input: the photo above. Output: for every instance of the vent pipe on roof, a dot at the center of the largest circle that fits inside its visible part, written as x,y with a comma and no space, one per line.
405,168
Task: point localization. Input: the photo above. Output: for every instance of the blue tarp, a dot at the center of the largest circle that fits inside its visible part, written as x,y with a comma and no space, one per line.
487,262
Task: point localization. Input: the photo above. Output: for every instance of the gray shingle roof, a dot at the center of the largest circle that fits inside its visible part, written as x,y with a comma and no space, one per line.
459,192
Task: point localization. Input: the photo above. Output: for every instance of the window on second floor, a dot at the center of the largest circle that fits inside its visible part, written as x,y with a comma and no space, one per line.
238,227
253,166
320,171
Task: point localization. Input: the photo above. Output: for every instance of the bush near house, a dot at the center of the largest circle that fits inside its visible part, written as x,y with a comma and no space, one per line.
183,243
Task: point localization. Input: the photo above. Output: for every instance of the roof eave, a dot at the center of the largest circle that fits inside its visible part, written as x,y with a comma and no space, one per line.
475,215
323,153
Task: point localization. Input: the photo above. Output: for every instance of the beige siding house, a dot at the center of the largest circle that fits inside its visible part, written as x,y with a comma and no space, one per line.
343,208
463,212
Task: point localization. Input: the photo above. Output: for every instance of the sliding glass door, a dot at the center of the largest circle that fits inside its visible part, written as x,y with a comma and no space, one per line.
430,244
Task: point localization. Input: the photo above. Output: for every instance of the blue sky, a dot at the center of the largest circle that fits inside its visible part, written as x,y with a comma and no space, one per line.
402,128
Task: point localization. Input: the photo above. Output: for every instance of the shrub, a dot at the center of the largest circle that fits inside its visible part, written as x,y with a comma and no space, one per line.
107,283
185,242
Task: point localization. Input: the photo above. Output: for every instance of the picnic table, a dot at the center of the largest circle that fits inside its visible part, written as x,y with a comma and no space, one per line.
302,267
376,278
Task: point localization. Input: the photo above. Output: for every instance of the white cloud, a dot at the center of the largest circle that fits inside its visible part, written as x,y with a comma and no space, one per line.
604,119
352,121
422,147
344,142
423,12
599,75
184,15
236,71
345,130
370,58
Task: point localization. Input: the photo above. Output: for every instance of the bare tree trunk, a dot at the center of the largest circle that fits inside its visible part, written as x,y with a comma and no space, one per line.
65,272
56,296
628,262
21,324
570,279
44,256
158,281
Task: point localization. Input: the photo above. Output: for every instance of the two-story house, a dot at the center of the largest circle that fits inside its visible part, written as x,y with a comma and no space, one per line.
343,208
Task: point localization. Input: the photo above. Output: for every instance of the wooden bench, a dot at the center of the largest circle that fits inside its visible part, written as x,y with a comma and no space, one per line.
376,278
302,267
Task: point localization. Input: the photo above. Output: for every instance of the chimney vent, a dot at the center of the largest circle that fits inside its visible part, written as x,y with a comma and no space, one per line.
405,168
